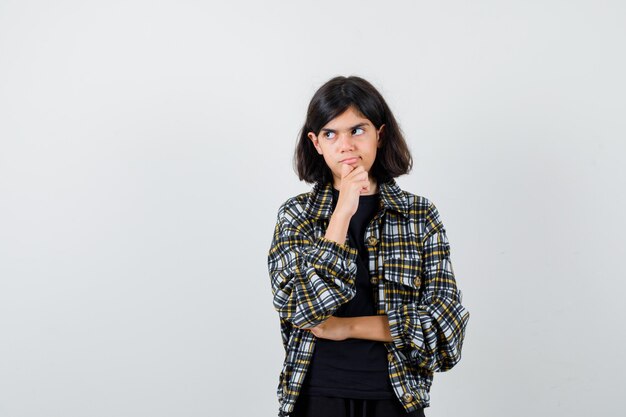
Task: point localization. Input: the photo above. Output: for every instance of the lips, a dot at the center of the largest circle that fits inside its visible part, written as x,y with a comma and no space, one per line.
349,160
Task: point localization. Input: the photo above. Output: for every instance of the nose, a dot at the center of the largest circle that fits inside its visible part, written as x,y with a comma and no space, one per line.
346,142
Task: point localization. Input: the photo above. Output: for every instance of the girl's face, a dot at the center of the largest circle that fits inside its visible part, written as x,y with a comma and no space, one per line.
350,139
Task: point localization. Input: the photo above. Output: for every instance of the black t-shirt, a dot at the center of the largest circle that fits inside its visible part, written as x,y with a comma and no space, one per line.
353,368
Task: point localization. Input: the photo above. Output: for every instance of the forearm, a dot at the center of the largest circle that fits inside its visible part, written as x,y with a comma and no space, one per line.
338,228
369,328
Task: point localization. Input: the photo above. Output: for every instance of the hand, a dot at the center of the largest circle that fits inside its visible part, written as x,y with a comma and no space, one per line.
334,328
354,182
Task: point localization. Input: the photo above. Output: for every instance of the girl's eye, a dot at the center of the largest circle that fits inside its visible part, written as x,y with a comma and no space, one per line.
329,135
357,131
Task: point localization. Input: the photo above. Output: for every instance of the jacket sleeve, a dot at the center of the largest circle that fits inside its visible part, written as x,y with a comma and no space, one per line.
310,277
432,329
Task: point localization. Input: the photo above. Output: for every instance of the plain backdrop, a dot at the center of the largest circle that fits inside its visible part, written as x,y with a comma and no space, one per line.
145,147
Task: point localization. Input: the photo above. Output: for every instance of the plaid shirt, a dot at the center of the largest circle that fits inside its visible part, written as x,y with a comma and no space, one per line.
409,265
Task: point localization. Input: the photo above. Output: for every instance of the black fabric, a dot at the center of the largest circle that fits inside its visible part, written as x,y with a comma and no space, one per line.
346,407
353,368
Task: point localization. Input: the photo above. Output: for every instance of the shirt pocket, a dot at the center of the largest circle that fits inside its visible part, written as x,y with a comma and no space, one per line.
404,271
402,278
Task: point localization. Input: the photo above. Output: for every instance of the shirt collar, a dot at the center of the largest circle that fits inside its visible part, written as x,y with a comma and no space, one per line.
319,205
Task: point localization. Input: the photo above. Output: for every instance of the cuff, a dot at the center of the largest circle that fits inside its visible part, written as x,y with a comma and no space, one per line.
325,250
334,260
344,250
396,328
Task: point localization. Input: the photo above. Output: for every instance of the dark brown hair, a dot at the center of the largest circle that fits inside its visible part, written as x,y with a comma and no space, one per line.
332,99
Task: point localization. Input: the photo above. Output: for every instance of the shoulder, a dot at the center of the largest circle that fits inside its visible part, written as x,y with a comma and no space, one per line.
422,210
416,201
294,207
418,205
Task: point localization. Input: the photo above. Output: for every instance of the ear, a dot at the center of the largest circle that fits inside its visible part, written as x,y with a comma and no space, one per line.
378,134
315,141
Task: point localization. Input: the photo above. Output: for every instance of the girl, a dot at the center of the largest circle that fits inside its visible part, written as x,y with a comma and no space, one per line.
360,269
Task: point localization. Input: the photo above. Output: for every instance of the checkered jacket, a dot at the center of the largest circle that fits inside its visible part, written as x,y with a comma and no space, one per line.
409,263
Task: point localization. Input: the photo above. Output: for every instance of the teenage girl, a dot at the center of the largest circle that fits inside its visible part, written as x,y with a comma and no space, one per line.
360,269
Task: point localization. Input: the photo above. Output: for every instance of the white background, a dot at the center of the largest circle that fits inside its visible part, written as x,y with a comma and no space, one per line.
145,147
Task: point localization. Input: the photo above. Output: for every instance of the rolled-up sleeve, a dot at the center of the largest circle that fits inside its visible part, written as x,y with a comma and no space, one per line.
433,329
310,277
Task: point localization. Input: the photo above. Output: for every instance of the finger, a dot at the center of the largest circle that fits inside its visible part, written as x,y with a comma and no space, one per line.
357,173
345,170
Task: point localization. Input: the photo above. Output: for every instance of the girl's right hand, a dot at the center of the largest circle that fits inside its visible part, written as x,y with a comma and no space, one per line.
354,182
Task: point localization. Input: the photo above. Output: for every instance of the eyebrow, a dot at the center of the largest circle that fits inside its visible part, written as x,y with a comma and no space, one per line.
350,128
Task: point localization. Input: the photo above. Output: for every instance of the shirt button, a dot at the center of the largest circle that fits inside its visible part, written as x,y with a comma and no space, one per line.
390,357
374,280
372,241
407,397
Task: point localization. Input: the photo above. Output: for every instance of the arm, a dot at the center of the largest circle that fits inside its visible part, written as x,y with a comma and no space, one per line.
433,329
363,327
310,277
